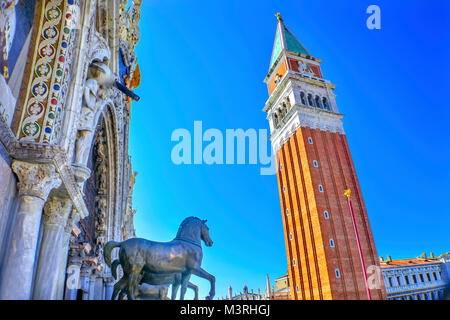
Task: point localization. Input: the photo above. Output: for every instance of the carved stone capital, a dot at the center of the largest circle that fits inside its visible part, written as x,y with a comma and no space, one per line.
57,210
36,179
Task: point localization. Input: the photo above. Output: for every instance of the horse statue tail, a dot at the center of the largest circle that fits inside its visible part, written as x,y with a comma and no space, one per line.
107,251
114,266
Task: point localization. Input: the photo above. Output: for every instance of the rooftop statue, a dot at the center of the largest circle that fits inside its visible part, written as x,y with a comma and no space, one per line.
146,262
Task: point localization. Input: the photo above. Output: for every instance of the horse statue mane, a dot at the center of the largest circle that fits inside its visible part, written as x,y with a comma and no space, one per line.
189,230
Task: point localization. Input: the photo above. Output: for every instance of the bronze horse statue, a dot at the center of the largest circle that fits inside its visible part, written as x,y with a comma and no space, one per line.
141,258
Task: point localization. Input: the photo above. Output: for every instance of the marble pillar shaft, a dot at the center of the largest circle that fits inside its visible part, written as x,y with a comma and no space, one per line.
73,282
64,262
62,267
35,181
56,213
109,288
84,282
18,271
48,267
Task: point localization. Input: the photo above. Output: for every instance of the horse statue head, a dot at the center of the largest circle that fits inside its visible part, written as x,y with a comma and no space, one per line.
194,230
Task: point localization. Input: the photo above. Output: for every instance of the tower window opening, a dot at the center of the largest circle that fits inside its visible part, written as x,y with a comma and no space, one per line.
332,244
297,288
287,212
326,214
318,103
315,163
281,167
284,107
310,100
284,189
303,98
320,188
337,272
310,140
325,103
288,103
275,120
290,236
294,263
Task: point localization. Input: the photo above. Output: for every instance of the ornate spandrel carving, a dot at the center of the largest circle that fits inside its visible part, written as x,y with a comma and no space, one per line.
36,179
99,50
101,164
129,23
100,223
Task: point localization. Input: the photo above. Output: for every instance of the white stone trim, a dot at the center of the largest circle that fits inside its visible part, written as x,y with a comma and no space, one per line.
303,116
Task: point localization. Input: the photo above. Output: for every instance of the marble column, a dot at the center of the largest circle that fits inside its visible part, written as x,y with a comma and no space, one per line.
92,282
34,185
99,288
56,214
73,282
73,219
84,280
109,287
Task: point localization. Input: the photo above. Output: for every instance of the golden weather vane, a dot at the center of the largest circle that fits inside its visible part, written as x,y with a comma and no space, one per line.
279,17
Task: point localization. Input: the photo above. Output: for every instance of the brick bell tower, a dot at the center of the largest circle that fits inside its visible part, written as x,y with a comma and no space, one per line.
314,168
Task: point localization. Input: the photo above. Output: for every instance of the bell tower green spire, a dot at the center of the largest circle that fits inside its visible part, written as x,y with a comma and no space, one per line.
286,40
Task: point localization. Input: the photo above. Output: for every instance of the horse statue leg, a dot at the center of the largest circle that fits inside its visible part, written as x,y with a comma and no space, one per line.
184,284
192,286
199,272
175,287
119,287
133,282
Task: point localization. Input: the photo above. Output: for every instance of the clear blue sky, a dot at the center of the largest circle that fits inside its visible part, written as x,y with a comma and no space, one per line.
206,60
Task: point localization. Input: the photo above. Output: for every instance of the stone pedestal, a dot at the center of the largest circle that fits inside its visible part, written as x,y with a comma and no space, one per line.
56,214
35,183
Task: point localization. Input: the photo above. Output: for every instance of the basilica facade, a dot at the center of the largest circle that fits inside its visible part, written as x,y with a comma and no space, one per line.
67,71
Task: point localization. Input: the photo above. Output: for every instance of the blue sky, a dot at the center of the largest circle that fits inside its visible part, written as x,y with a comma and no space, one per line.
206,60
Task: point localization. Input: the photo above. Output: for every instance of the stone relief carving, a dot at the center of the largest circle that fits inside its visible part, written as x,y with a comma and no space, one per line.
57,210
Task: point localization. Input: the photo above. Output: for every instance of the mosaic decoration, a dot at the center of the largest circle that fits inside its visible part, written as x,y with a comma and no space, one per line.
16,18
47,92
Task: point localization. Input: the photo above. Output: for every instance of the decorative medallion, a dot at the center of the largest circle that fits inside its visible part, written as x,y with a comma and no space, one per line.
52,65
